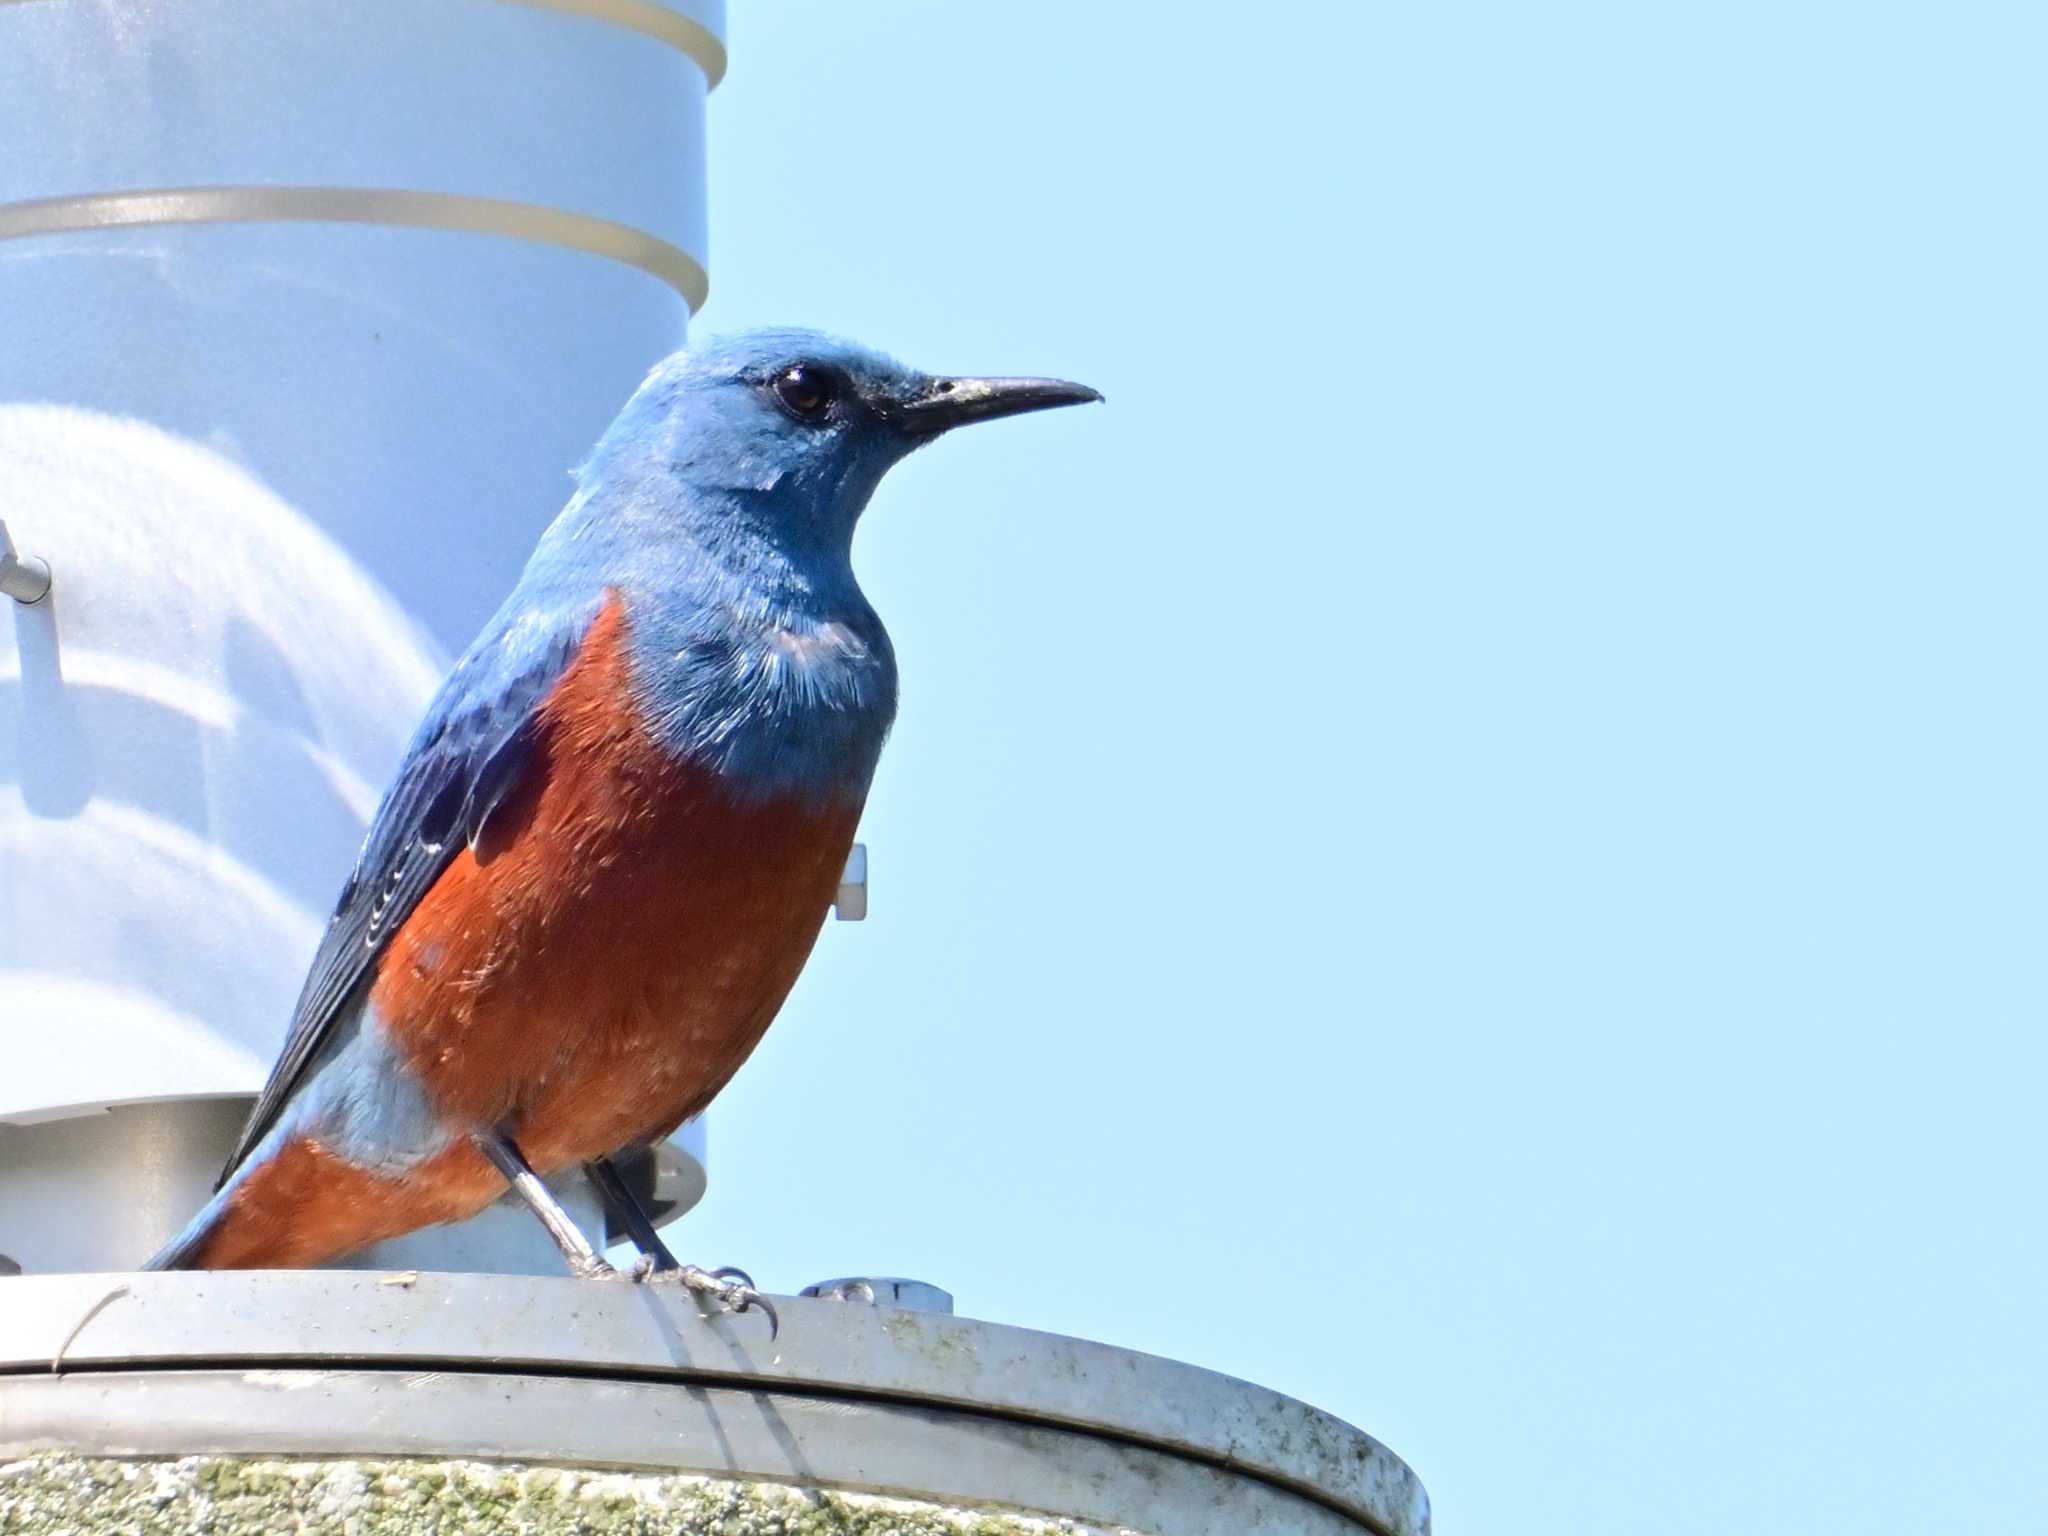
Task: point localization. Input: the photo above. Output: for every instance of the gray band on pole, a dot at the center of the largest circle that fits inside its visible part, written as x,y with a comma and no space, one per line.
650,20
394,206
680,32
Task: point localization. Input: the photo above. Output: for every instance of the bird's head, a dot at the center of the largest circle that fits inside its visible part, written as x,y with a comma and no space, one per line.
789,431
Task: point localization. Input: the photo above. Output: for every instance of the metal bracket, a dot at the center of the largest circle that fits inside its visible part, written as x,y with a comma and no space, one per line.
23,578
851,904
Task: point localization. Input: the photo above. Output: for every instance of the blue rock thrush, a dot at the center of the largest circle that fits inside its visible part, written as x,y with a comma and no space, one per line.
616,834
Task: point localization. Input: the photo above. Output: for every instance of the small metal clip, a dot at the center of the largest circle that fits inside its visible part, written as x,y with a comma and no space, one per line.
23,578
851,904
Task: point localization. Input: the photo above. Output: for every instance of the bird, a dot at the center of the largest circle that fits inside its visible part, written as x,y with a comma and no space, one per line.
617,831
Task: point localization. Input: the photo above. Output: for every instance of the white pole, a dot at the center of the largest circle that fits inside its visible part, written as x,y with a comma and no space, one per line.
305,312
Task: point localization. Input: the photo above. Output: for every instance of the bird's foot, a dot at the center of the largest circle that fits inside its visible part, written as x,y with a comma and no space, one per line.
595,1268
731,1288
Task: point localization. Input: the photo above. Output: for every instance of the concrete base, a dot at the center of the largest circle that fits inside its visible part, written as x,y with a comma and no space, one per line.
231,1496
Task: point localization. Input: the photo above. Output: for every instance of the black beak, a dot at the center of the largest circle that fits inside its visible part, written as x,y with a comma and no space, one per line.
948,403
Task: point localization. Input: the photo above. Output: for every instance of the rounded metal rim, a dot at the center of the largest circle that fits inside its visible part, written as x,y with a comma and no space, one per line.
901,1451
562,1327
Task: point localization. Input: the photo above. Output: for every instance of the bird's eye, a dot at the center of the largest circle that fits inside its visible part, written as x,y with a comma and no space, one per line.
805,392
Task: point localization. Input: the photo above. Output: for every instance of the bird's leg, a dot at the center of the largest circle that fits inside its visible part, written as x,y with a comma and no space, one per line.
734,1288
619,1199
584,1261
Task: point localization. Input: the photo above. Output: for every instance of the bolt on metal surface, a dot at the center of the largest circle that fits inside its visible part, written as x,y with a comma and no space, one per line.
885,1291
23,578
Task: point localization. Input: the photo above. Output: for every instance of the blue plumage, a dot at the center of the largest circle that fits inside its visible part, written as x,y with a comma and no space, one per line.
717,514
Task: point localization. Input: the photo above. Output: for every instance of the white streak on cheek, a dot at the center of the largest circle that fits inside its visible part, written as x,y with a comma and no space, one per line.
806,648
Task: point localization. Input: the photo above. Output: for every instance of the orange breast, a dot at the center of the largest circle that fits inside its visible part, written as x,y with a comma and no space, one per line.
600,967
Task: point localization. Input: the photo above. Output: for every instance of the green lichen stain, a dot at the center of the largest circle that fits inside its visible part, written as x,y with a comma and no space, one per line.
231,1496
939,1344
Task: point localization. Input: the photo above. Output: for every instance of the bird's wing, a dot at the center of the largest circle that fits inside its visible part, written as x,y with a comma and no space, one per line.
470,752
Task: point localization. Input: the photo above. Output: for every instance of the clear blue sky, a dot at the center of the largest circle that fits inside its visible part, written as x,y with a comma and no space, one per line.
1470,847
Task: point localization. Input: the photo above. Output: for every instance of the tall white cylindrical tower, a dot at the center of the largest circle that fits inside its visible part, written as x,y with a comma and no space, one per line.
305,312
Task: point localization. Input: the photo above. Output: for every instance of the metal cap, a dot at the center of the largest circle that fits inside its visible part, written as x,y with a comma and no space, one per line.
885,1291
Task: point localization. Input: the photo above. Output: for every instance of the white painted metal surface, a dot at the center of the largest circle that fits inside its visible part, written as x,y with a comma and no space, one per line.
308,311
881,1399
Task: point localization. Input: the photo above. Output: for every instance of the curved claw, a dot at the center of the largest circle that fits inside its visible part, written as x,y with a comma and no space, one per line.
732,1288
753,1298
